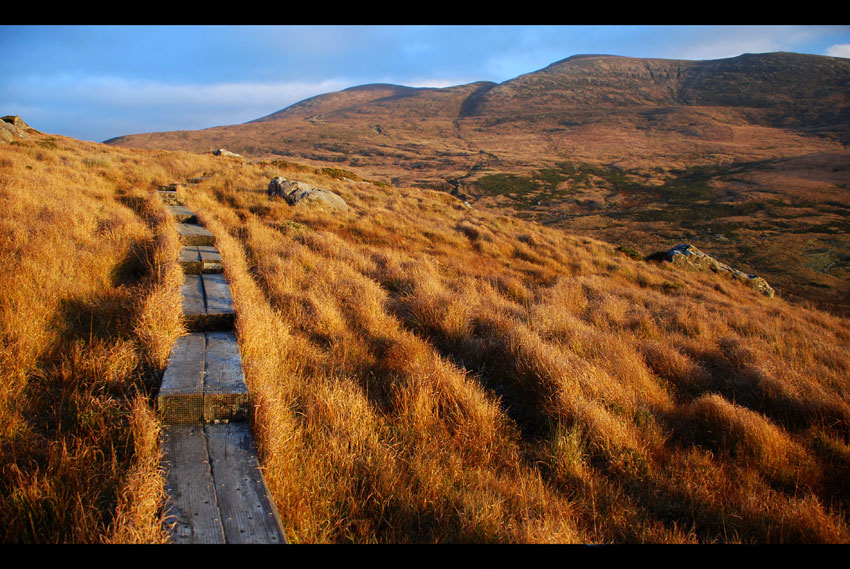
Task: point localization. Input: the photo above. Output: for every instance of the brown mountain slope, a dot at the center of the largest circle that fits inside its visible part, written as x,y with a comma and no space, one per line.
746,157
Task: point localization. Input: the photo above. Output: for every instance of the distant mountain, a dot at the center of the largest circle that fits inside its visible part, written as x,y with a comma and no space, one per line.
746,157
583,107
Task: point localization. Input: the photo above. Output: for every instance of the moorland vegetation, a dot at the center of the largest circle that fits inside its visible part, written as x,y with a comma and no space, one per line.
420,371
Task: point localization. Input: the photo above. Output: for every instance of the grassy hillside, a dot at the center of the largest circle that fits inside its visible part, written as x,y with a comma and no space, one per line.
746,157
421,371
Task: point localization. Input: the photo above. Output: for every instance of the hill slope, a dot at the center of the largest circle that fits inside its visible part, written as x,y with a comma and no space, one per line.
419,371
746,157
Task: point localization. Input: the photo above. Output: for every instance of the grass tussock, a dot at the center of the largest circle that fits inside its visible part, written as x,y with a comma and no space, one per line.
87,317
427,373
420,371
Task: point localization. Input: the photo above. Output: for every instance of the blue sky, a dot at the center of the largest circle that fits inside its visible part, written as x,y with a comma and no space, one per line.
97,82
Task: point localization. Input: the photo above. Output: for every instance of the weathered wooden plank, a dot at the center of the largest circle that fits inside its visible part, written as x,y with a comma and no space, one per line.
225,390
194,305
207,303
181,394
190,260
192,234
248,514
218,296
182,213
191,489
210,259
197,259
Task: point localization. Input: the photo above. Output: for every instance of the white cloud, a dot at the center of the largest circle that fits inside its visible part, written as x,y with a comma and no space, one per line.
839,50
151,105
113,91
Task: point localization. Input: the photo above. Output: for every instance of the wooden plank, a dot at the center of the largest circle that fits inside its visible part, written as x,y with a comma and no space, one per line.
219,302
192,234
207,303
180,399
190,260
194,306
192,502
197,259
225,391
210,259
248,514
182,213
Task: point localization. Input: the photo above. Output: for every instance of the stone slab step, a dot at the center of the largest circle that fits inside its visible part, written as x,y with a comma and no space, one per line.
193,234
199,259
203,381
207,302
216,491
182,213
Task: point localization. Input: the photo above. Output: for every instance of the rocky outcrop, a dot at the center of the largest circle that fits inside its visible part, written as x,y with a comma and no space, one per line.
300,193
223,152
686,255
13,126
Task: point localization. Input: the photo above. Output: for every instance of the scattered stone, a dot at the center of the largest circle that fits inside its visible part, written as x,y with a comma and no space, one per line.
300,193
685,255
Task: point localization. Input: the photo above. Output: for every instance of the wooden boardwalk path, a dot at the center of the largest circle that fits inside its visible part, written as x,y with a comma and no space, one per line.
216,490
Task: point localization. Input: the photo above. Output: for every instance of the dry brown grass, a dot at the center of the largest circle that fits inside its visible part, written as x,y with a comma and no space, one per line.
420,372
87,317
426,373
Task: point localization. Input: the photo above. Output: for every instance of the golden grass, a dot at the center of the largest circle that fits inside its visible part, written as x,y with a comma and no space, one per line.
87,317
420,372
426,373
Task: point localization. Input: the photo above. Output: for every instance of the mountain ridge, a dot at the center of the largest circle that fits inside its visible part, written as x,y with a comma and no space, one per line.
644,152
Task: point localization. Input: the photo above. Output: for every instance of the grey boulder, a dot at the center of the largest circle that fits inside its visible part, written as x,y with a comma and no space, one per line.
686,255
300,193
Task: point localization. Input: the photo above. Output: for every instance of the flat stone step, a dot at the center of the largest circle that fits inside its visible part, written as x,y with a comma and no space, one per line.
199,259
182,213
216,491
207,302
203,381
193,234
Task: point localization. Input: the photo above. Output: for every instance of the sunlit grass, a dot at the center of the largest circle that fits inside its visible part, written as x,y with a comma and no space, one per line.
419,371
